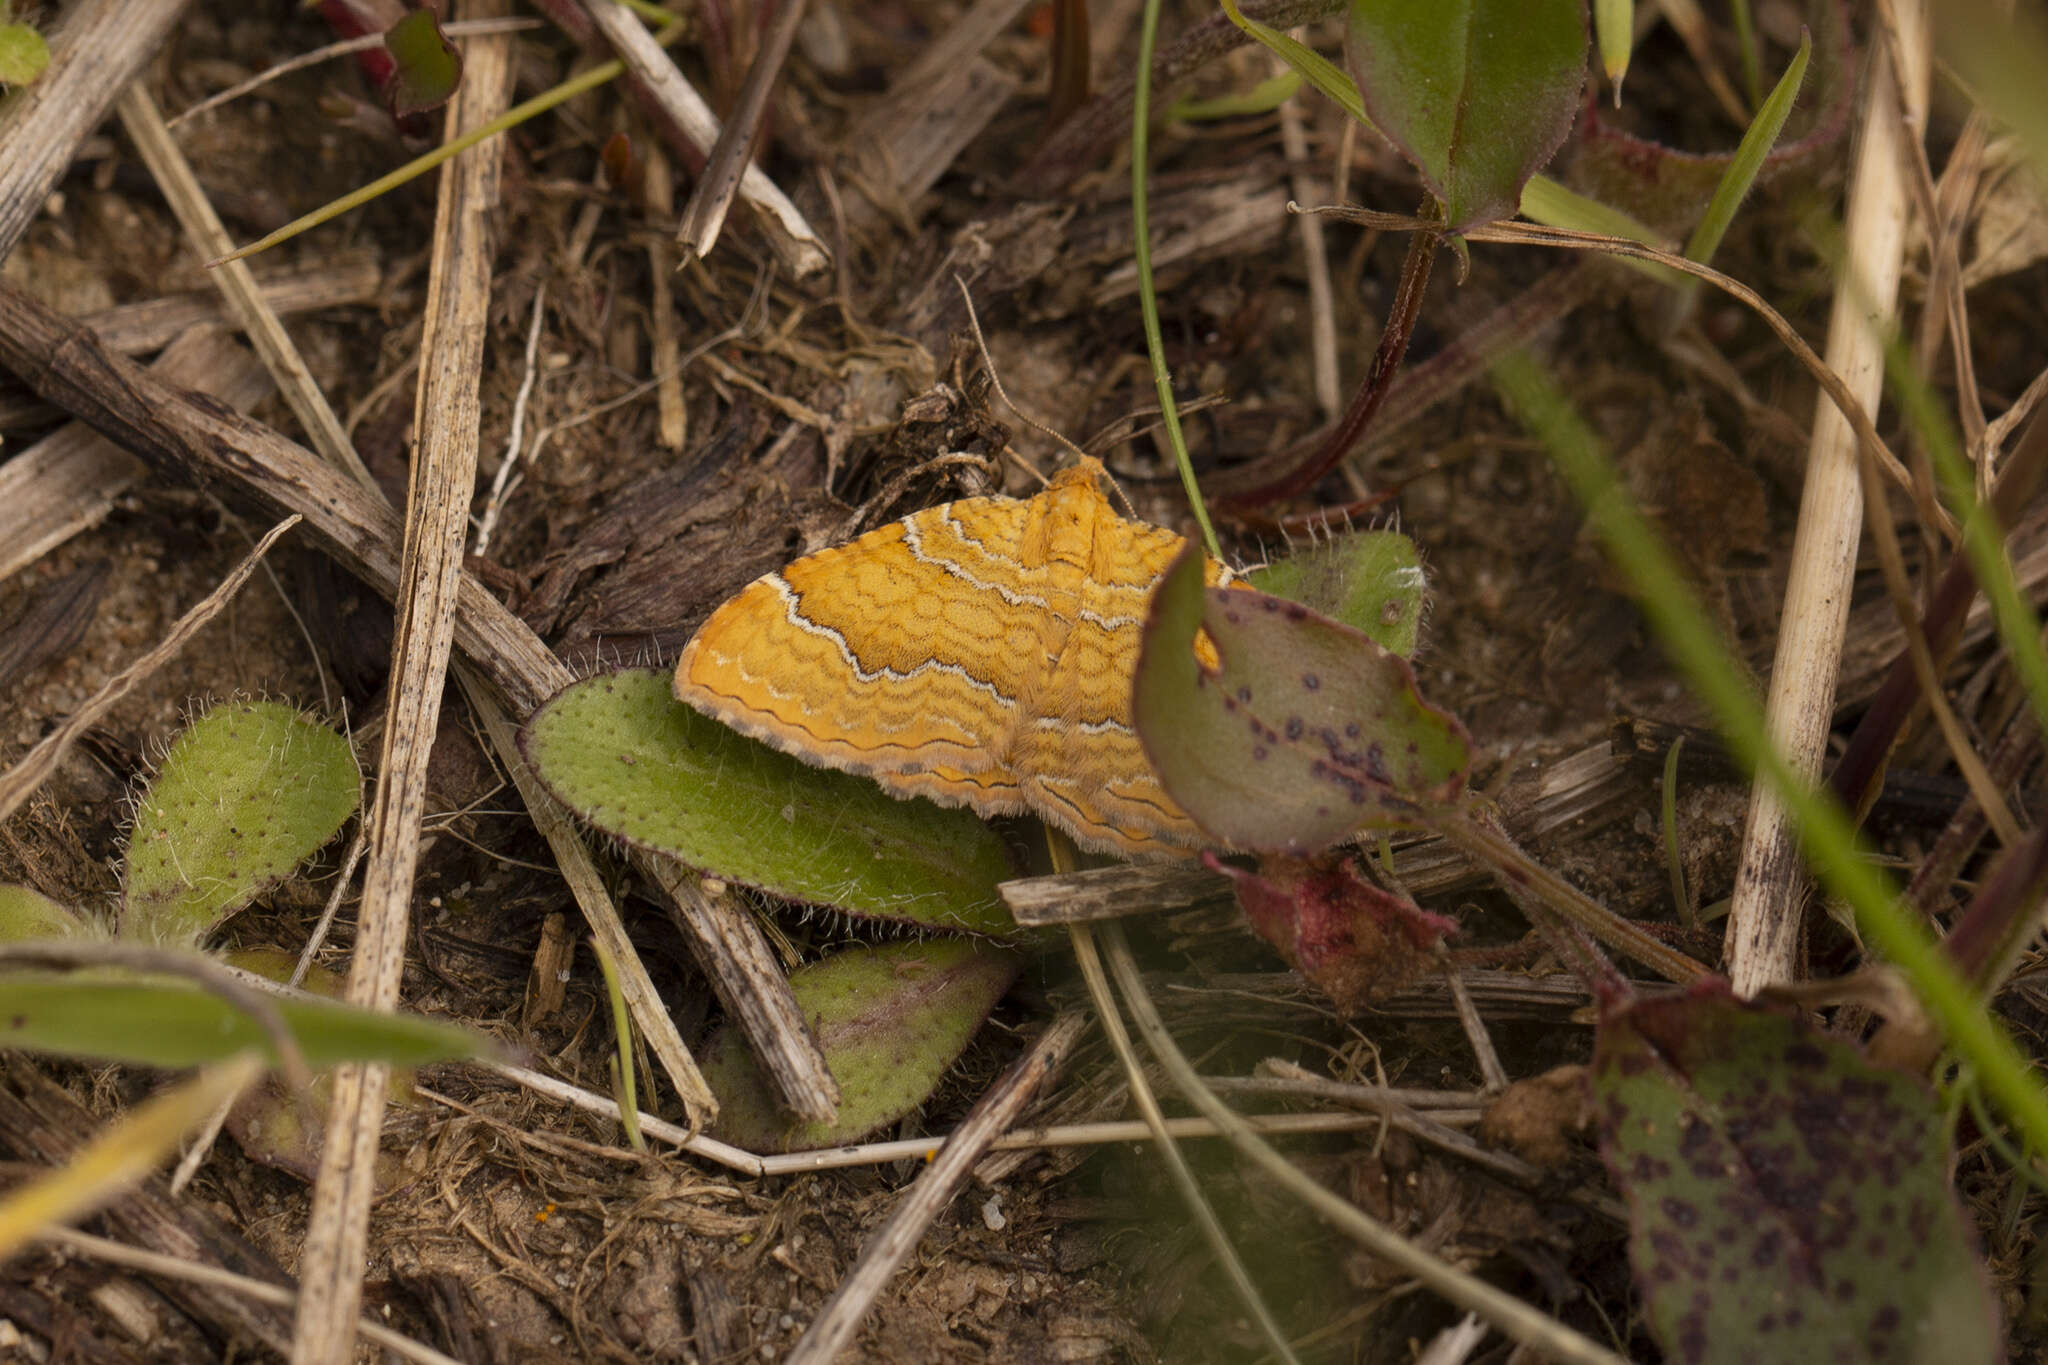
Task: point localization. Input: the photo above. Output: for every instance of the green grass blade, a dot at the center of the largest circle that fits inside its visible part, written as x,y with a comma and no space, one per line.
1141,236
2019,629
1824,828
1318,70
420,165
1749,158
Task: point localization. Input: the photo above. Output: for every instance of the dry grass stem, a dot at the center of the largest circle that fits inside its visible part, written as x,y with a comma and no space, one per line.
1082,940
161,422
478,28
572,858
238,285
732,155
170,1267
792,239
101,46
18,782
68,481
832,1330
443,477
1315,264
1765,918
1509,1315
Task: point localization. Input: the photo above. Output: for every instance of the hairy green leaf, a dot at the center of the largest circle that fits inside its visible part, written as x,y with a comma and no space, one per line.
247,793
890,1020
27,914
623,753
1369,580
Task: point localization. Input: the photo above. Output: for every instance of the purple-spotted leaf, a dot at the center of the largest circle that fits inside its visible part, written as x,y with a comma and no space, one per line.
890,1019
1349,938
1478,94
1281,730
1788,1200
426,66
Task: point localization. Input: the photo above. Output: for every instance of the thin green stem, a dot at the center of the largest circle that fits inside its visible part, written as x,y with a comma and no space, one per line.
420,165
1148,298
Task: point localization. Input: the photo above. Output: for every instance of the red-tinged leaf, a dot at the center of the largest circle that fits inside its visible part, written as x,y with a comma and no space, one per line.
1788,1199
427,69
360,19
1351,940
1478,94
1284,731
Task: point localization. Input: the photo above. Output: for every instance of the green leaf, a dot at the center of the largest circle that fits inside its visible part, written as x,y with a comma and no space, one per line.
623,753
282,1128
1262,98
1311,65
121,1017
247,792
1478,94
428,67
1301,732
1614,28
1788,1200
23,54
1546,201
1748,161
1369,580
26,914
889,1019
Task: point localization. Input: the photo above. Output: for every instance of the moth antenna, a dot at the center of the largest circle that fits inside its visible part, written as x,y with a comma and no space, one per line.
988,362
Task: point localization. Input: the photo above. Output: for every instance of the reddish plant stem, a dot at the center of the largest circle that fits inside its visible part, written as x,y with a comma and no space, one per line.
1068,88
1400,327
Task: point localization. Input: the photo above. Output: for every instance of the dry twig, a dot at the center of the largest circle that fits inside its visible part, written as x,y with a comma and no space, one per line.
24,777
443,477
837,1321
93,57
